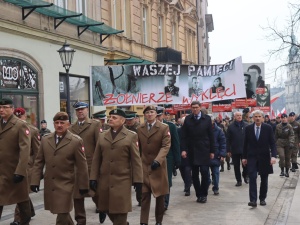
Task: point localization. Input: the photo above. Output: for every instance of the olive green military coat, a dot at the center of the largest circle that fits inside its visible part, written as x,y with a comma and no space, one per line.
89,133
155,145
116,164
15,142
59,178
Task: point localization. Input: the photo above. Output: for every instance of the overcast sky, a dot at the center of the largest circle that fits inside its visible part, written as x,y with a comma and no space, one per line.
238,32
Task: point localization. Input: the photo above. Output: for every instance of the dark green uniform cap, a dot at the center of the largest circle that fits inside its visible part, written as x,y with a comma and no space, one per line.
118,112
6,101
130,115
100,115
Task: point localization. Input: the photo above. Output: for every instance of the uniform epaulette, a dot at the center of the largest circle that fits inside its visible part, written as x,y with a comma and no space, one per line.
164,124
45,135
131,131
33,127
76,136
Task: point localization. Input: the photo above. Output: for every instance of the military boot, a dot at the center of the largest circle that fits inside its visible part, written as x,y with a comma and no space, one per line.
293,169
282,172
286,172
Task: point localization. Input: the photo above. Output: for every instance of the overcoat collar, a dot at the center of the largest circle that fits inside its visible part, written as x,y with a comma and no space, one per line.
10,123
66,140
79,129
121,135
154,129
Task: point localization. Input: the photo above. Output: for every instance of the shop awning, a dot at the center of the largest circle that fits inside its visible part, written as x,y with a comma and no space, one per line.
60,15
130,60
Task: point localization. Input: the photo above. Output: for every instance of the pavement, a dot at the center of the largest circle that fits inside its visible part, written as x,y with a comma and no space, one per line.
229,207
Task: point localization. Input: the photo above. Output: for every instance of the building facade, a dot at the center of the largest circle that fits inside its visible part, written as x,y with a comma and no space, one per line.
101,32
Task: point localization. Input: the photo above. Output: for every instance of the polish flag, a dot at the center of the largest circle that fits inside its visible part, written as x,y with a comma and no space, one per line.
276,96
220,116
273,114
283,111
278,113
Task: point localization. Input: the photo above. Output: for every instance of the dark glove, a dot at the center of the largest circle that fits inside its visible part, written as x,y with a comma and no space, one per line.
83,191
18,178
93,185
155,165
137,186
174,171
35,188
177,165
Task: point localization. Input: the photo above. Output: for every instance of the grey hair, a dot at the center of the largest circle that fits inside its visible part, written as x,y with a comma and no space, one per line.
235,113
258,112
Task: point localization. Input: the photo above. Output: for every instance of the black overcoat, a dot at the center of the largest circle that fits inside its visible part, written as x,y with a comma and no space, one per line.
197,139
259,152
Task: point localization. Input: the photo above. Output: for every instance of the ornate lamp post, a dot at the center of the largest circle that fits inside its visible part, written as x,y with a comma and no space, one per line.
66,54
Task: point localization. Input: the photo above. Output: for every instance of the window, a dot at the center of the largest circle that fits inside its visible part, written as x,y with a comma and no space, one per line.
61,3
81,6
145,32
126,20
19,81
78,89
174,36
117,14
160,31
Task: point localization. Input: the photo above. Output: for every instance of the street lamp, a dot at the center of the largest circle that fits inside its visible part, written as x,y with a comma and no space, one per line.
66,54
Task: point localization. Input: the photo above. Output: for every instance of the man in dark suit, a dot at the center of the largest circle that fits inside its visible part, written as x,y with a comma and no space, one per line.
197,139
259,155
171,88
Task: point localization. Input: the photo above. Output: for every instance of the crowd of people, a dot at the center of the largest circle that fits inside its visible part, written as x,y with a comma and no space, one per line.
92,158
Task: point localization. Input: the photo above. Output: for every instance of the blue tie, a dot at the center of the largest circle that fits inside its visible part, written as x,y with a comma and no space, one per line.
196,117
257,133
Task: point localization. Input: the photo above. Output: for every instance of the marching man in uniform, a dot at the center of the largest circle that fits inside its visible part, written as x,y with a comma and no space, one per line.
63,155
116,164
14,155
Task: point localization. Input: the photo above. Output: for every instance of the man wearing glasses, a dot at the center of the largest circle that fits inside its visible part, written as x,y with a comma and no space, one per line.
263,99
14,156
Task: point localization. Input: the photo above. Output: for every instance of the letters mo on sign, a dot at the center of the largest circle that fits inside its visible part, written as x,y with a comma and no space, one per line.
16,74
166,83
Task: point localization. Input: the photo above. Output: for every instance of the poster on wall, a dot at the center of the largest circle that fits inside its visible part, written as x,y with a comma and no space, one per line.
166,83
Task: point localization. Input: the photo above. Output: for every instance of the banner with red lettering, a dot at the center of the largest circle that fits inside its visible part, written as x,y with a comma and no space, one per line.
166,83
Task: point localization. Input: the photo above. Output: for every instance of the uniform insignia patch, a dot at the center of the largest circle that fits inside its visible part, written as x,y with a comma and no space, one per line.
39,137
101,130
27,132
115,111
82,148
169,133
137,144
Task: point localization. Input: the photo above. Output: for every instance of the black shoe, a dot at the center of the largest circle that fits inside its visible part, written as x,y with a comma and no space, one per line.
228,166
286,174
216,192
158,223
246,179
139,204
293,169
263,202
187,193
102,217
282,174
296,166
14,223
222,169
239,183
202,200
144,224
252,204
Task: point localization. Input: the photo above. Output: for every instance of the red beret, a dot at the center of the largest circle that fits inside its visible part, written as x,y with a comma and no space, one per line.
19,112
